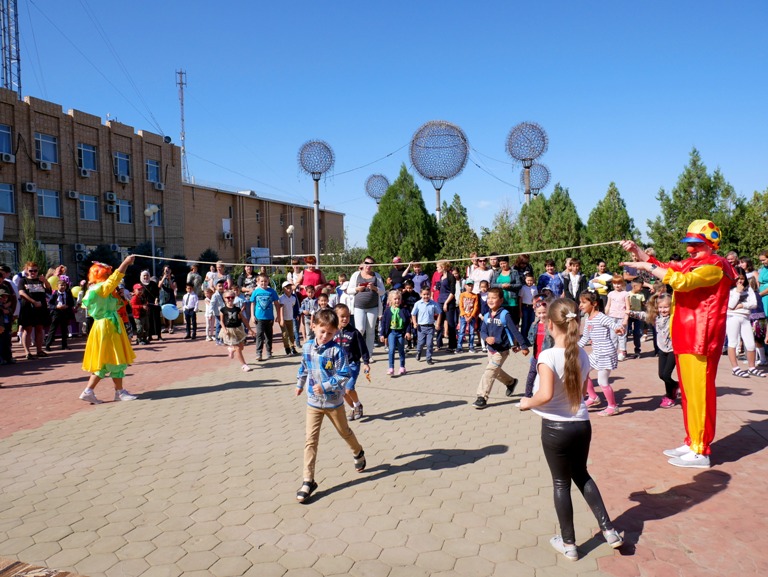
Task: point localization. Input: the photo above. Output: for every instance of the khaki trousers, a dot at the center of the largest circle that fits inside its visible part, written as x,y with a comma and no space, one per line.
314,420
289,341
492,372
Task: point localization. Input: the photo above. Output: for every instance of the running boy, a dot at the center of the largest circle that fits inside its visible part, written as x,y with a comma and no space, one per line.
324,371
287,301
501,335
264,305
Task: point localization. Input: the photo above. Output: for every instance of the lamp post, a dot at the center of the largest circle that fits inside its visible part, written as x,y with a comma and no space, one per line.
151,213
316,158
289,231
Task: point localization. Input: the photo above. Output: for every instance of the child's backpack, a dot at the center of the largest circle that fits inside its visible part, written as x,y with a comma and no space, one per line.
502,318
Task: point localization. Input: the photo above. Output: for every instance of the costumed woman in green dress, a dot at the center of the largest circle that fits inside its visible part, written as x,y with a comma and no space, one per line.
108,351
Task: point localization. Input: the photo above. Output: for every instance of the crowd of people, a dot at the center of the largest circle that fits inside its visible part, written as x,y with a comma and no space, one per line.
492,305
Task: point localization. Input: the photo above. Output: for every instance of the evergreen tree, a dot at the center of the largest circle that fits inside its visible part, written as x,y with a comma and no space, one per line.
564,226
697,195
749,226
457,238
402,226
500,238
608,221
29,249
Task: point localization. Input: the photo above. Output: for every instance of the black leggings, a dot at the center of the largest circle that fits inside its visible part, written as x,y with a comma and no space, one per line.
566,448
666,368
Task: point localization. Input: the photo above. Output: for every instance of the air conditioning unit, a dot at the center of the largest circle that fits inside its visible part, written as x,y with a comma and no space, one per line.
80,257
84,173
228,236
112,209
114,247
30,187
73,194
159,186
123,178
8,157
79,247
110,197
44,165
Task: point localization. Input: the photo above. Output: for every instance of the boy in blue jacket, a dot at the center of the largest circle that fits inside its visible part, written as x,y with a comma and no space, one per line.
500,335
324,371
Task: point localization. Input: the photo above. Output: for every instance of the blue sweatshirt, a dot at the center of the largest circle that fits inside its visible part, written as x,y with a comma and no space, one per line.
327,366
492,327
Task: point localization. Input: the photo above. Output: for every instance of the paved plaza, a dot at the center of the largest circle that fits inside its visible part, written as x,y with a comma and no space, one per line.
198,477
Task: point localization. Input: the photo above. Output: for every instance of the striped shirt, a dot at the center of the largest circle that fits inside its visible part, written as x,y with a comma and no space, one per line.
598,330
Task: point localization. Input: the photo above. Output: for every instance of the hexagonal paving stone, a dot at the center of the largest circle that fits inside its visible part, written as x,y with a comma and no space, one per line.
166,555
197,561
298,559
398,556
230,567
435,561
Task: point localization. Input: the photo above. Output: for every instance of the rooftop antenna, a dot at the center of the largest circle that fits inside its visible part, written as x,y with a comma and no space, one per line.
11,55
181,82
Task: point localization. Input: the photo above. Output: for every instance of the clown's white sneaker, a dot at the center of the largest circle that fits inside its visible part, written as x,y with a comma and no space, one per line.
692,460
679,452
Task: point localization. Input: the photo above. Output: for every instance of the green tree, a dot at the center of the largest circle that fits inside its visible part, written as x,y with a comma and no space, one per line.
750,226
402,226
29,249
457,238
530,231
697,195
608,221
500,237
565,227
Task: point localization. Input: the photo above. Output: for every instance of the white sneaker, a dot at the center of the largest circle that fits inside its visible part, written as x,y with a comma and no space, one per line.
123,395
568,551
679,452
89,396
692,460
622,357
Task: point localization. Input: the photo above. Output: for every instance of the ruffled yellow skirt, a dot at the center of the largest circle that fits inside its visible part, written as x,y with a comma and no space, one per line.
106,346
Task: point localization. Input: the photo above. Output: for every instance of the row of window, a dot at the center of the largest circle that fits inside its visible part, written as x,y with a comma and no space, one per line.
49,205
47,150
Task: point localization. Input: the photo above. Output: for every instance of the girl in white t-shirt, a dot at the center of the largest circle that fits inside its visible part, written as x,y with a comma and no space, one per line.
558,397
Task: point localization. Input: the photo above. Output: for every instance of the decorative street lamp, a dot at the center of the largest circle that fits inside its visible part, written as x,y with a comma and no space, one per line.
316,158
376,185
526,142
289,231
151,213
439,152
539,178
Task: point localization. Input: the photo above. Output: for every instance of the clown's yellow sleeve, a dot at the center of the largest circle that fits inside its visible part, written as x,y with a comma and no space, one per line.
703,276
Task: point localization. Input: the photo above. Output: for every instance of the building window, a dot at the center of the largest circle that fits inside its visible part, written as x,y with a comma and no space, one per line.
9,254
122,164
159,215
86,157
153,171
258,215
319,223
258,242
320,245
52,253
46,148
48,203
89,207
124,211
282,219
282,242
7,204
6,143
303,248
301,220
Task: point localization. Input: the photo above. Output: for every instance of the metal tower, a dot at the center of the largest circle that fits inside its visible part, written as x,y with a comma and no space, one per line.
181,82
9,29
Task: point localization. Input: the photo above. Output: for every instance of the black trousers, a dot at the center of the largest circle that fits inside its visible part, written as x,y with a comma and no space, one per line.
666,370
59,321
566,448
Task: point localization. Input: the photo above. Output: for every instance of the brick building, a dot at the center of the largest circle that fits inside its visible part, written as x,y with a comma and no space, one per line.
87,183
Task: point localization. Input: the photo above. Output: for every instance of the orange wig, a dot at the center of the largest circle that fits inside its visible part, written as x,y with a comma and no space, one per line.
99,272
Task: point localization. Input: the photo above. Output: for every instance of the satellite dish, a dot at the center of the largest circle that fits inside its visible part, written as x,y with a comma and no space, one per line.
167,139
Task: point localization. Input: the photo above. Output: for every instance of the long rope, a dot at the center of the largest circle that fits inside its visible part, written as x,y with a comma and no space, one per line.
343,265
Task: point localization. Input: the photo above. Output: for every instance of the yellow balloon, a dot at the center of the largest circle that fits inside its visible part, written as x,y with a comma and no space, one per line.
53,280
76,291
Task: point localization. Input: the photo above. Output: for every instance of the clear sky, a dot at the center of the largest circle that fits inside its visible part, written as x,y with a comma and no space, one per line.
624,90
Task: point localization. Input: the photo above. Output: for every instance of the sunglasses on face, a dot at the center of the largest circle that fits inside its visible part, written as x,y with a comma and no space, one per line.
32,271
368,263
540,305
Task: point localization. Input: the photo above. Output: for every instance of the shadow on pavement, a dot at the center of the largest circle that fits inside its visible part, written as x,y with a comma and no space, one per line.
430,459
412,411
749,439
189,391
653,507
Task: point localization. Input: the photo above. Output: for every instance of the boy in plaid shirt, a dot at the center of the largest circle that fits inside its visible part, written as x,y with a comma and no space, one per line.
324,371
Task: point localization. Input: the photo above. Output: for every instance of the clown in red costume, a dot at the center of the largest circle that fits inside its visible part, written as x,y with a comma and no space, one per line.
701,285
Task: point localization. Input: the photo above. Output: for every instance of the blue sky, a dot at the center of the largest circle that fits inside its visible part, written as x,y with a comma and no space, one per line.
624,90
